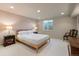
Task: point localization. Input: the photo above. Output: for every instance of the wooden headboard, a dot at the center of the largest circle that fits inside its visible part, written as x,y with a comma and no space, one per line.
21,30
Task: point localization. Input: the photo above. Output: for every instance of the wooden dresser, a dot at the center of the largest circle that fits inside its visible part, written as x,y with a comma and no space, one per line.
74,42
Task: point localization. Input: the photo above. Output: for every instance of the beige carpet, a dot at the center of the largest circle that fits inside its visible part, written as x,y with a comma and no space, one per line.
54,48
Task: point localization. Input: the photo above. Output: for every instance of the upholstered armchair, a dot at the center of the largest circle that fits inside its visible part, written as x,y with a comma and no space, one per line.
71,33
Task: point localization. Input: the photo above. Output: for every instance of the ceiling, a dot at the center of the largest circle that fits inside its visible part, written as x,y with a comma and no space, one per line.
47,10
75,11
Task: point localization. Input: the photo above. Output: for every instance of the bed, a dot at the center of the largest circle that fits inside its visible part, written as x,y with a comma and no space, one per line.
34,40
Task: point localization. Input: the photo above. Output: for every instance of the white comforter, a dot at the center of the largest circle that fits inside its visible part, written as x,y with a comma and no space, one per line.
32,38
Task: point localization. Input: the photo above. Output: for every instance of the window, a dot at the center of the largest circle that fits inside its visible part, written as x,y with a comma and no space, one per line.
48,24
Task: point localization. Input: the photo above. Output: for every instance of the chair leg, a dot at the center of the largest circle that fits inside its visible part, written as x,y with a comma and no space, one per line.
69,50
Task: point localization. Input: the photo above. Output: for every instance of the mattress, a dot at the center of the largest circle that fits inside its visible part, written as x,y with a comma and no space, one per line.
34,39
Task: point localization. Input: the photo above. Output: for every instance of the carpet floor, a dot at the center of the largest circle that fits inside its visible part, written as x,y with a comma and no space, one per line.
55,47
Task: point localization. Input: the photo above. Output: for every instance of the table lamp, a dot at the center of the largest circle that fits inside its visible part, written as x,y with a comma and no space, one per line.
9,28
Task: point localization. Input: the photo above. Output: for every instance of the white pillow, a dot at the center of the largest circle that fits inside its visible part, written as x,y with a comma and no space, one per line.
26,32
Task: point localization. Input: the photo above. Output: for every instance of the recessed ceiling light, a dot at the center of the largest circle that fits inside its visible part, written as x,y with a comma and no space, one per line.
38,11
12,7
62,13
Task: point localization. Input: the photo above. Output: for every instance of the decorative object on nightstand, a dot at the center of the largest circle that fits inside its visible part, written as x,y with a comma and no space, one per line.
9,29
8,40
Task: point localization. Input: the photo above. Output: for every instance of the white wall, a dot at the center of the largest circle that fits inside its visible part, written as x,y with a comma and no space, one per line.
60,27
17,21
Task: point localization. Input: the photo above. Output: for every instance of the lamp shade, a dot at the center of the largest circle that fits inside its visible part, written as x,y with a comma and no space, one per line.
35,28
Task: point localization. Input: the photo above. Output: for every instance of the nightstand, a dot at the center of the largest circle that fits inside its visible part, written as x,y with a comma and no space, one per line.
8,40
